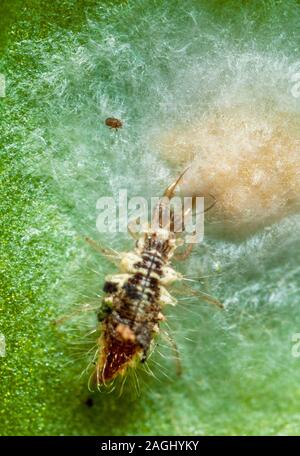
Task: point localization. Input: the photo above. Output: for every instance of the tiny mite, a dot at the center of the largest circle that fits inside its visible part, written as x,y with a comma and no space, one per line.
114,123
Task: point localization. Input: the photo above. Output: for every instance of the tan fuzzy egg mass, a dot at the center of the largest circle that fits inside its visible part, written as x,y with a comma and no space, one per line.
249,161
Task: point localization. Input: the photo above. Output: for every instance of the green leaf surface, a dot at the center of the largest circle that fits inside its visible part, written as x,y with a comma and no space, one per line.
68,65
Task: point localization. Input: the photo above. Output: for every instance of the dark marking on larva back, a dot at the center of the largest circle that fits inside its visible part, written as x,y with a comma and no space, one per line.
144,266
161,247
146,256
103,312
152,297
131,291
136,278
110,287
153,283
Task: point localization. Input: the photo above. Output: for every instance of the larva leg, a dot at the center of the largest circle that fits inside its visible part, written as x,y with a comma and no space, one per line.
111,254
169,276
185,254
165,297
210,299
128,262
131,231
84,308
205,296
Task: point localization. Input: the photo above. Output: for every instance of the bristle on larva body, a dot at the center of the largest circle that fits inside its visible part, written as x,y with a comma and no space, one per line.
134,301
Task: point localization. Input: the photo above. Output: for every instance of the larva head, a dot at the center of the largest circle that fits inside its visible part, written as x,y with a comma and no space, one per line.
160,240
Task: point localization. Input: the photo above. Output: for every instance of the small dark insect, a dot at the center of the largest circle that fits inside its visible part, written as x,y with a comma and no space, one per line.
89,402
112,122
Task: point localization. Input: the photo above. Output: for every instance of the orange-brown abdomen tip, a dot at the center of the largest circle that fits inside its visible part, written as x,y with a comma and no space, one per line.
117,356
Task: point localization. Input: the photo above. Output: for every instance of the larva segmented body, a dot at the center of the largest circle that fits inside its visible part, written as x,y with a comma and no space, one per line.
135,300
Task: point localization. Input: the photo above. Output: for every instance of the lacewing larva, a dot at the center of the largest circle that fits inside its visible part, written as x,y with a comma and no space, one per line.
132,310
